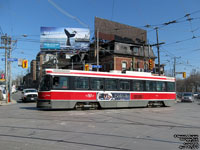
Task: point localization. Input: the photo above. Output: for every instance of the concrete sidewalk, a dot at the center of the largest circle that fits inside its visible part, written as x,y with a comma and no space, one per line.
3,103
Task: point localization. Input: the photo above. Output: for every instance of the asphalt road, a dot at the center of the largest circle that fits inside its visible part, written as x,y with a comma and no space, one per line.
23,127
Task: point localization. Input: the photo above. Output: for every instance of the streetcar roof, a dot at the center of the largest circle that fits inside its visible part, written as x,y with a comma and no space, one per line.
111,74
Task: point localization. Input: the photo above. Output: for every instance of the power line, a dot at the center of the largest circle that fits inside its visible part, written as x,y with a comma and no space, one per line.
113,4
173,21
67,14
176,42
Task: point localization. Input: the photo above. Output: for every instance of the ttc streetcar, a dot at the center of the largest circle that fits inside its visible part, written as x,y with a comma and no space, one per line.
71,89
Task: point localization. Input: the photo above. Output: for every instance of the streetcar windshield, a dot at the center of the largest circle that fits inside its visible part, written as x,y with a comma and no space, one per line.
45,84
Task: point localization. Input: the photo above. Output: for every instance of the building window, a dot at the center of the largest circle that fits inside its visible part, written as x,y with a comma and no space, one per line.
135,50
111,66
124,65
138,64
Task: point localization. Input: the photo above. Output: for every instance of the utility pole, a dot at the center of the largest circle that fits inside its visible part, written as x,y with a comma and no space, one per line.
6,41
158,50
175,66
9,69
56,60
97,49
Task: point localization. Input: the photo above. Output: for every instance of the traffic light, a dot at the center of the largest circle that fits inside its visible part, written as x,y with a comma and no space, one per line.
25,64
150,64
184,75
86,67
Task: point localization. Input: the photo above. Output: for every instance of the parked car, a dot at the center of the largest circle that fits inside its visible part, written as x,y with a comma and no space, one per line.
196,94
29,95
187,97
179,94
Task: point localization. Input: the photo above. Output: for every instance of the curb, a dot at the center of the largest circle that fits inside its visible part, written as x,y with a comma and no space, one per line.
3,103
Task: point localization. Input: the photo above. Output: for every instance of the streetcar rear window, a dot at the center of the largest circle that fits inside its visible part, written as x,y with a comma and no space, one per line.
161,86
170,86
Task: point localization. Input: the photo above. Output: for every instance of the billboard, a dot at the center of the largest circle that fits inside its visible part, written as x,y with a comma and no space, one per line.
53,38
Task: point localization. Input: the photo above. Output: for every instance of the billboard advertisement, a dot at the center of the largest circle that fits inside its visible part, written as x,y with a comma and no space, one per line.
53,38
108,96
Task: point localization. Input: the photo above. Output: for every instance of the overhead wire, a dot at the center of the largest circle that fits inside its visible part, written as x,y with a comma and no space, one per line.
68,14
113,4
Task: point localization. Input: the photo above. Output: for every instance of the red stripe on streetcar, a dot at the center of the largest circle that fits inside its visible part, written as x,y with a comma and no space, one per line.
93,96
109,75
67,95
152,96
113,75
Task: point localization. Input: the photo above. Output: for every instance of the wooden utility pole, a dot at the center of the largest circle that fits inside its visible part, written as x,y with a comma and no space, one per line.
6,41
97,49
158,50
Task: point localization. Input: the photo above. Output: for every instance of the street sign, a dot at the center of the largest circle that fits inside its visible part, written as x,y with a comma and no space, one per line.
96,66
9,59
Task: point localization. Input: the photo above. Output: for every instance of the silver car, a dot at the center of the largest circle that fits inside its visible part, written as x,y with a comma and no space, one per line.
187,97
29,95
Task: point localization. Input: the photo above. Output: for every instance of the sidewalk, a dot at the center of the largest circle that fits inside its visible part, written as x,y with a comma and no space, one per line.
3,103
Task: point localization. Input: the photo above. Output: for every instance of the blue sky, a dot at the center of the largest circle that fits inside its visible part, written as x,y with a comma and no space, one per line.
182,39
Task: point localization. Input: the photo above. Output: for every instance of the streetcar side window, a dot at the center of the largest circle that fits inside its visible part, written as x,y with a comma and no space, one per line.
81,83
60,82
170,86
45,84
96,84
138,85
150,85
124,85
161,86
111,84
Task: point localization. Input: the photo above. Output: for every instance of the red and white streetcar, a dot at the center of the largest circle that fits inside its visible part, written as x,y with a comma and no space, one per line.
69,89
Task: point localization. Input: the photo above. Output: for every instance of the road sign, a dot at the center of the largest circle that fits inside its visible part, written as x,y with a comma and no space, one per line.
96,66
10,59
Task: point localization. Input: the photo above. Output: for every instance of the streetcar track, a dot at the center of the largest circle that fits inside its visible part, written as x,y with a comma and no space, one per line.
62,141
129,122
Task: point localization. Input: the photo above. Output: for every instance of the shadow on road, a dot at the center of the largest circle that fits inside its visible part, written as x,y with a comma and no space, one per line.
30,108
